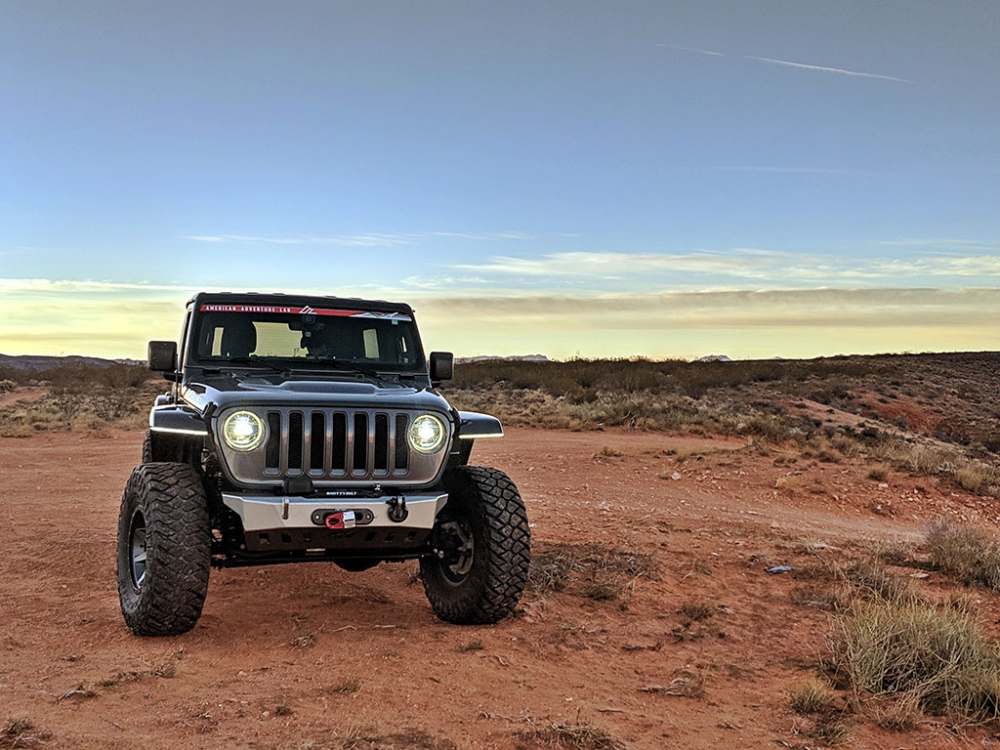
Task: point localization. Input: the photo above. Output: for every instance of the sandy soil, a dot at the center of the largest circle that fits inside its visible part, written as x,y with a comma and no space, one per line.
310,656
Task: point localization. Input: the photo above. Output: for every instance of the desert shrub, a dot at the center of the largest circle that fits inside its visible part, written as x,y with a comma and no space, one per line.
978,477
814,696
871,577
696,611
879,472
6,386
592,571
567,737
934,657
969,555
82,398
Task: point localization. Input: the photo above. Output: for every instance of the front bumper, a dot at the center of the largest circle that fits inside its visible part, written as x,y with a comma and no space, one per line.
265,513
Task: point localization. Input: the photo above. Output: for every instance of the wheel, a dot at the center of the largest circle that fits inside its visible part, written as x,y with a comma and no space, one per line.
483,548
147,448
164,549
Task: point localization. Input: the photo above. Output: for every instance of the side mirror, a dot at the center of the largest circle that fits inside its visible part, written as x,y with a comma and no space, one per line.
442,366
162,356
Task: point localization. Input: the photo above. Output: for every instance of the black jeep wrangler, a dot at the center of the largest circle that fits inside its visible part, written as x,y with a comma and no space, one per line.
305,429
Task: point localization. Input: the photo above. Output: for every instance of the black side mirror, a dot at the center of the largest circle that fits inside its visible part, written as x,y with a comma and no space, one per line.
442,366
162,356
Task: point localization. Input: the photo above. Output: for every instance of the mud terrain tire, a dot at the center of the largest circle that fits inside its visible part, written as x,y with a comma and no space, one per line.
164,549
485,528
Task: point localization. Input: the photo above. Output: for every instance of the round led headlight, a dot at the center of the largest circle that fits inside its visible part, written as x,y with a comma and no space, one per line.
427,434
243,431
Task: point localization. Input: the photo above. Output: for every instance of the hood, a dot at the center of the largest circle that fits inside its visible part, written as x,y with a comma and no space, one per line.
256,389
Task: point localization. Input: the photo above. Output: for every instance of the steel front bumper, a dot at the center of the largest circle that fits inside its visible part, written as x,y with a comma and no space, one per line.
259,513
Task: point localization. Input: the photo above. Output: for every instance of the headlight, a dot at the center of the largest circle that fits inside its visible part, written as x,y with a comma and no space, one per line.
243,431
427,434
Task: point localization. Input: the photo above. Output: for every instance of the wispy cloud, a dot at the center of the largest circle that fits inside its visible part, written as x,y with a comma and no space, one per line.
611,265
791,323
786,170
696,50
825,69
370,239
116,319
49,286
737,268
354,240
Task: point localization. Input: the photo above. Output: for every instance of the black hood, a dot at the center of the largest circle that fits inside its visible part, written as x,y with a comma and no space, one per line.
257,389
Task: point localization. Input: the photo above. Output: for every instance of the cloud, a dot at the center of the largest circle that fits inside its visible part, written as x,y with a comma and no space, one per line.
691,49
732,269
824,69
792,323
51,286
610,265
356,240
42,316
787,170
370,239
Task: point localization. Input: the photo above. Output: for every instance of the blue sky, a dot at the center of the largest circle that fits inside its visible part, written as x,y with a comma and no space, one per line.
571,178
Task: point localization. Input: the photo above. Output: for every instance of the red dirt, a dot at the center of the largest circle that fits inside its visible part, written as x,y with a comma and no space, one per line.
310,656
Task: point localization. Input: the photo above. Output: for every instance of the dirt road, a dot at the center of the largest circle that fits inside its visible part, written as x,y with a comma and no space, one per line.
698,649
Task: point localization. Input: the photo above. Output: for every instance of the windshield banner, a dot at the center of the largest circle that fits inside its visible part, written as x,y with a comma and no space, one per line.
319,312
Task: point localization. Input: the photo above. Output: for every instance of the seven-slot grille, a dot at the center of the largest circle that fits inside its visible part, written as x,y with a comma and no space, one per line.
342,444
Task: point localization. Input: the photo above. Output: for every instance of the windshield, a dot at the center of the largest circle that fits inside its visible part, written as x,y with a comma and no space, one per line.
310,337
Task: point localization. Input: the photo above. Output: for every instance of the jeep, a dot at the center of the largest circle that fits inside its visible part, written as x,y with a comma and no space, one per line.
300,429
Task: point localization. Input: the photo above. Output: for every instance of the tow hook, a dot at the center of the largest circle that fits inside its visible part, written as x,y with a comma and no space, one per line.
397,509
340,520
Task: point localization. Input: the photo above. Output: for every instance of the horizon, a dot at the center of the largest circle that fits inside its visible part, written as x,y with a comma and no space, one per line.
649,179
544,359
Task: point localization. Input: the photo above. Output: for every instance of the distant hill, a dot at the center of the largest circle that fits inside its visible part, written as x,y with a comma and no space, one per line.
496,358
42,363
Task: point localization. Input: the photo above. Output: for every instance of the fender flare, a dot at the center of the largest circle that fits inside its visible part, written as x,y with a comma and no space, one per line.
474,426
177,420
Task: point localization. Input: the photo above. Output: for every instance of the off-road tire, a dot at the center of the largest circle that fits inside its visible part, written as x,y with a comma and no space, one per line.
164,549
147,448
485,586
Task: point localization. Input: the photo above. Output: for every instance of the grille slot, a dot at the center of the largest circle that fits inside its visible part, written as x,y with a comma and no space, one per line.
317,436
295,442
337,444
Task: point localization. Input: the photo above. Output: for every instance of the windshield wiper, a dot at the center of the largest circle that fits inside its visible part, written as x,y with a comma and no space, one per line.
253,359
349,366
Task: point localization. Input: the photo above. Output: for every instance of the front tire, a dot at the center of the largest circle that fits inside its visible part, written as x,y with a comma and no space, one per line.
164,549
484,547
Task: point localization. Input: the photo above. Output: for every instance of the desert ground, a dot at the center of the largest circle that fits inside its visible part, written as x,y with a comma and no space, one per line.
664,632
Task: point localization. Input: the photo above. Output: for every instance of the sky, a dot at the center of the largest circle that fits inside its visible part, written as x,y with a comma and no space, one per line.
660,179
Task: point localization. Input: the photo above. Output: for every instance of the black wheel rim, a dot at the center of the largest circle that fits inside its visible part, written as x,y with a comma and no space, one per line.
456,572
137,549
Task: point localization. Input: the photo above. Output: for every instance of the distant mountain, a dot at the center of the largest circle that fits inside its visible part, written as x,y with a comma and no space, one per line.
41,363
495,358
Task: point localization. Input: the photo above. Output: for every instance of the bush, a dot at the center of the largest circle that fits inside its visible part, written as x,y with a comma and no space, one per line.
936,658
969,555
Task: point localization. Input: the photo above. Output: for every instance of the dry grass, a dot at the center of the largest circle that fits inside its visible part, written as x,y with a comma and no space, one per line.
931,657
82,398
22,733
592,571
969,555
567,737
813,697
696,611
411,739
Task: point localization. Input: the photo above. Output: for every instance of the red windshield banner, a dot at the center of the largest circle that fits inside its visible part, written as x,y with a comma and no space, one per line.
283,310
